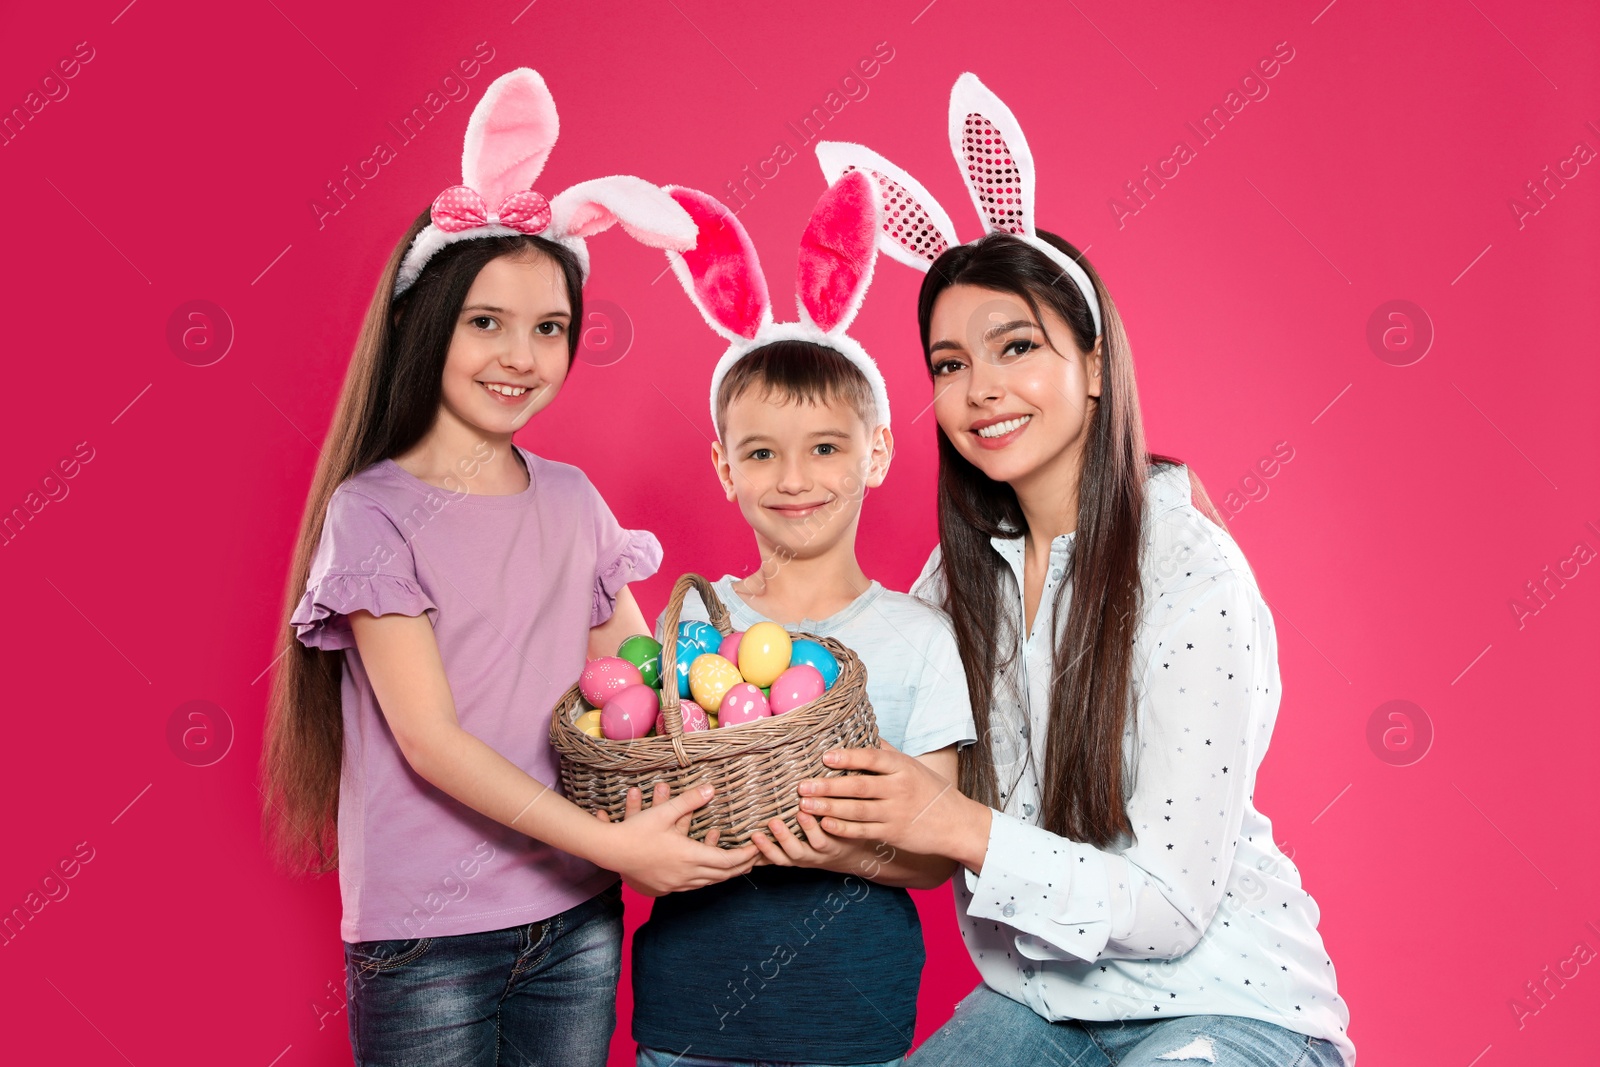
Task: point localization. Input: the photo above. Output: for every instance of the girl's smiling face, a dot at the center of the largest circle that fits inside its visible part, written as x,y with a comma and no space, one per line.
1009,400
508,355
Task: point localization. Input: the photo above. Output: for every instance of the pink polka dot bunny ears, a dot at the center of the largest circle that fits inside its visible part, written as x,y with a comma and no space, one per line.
997,167
723,278
509,137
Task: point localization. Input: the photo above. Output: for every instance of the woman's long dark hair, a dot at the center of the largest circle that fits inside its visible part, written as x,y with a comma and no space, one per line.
1091,694
390,398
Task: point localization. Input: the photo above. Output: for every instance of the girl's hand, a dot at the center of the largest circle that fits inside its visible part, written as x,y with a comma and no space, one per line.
901,802
654,853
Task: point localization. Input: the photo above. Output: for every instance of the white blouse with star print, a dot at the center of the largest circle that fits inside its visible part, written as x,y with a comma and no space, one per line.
1198,912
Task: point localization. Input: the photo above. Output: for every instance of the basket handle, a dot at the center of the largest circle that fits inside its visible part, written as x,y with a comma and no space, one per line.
670,712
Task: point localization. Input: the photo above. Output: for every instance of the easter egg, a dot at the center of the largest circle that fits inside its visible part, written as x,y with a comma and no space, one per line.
729,649
644,652
710,676
593,730
741,704
795,687
687,650
629,713
764,653
693,715
588,719
605,676
809,651
701,633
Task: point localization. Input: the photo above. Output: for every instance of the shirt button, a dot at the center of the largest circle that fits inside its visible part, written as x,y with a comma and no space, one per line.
1027,972
1055,575
1009,910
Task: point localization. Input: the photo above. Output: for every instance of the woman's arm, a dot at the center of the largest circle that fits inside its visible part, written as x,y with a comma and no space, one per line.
874,860
1206,704
401,657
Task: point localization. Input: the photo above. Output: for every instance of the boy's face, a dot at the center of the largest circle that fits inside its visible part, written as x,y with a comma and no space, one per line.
799,470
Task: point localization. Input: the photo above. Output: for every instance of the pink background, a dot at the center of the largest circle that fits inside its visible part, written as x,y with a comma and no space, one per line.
1419,501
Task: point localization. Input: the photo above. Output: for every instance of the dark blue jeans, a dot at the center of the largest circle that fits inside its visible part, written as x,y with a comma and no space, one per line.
544,993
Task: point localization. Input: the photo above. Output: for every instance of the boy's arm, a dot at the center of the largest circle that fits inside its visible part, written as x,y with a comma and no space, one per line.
872,860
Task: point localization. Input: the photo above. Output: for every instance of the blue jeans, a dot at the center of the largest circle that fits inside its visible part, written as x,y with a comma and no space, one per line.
996,1031
655,1057
541,993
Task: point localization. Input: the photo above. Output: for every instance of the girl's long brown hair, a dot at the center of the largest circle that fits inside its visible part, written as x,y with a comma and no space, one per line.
389,400
1091,694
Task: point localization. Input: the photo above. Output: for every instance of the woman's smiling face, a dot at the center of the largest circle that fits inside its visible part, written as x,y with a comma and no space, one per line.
1010,401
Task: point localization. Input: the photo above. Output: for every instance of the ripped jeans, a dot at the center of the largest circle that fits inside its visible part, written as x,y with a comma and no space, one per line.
996,1031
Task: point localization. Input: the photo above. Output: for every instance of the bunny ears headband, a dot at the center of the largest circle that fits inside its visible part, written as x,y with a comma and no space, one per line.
723,278
997,167
509,137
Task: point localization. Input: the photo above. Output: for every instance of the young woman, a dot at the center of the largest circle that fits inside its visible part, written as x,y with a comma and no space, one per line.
1121,896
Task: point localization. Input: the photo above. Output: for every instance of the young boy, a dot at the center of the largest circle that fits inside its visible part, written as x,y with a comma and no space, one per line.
816,957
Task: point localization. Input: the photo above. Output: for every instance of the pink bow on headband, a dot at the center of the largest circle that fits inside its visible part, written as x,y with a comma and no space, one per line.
460,207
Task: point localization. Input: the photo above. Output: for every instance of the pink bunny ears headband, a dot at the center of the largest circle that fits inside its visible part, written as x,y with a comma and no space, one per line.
509,137
997,167
724,280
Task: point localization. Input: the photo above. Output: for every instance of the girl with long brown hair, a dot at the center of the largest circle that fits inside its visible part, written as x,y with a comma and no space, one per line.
445,590
1122,898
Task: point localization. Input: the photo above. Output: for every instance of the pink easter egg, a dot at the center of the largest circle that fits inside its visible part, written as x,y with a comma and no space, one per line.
604,677
693,715
629,713
729,649
800,684
741,704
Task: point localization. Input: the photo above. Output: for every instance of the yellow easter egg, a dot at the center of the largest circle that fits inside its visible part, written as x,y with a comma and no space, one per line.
710,677
764,652
588,719
593,730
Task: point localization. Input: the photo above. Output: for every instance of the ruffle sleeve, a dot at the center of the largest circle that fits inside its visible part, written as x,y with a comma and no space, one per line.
320,620
638,556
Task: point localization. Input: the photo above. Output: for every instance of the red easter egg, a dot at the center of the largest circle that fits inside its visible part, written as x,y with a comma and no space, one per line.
630,713
799,685
603,677
741,704
693,715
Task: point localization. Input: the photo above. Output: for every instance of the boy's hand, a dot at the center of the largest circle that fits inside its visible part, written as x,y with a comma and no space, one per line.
818,849
654,853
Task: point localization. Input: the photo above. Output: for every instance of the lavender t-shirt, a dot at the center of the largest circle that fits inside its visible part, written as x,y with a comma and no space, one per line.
511,585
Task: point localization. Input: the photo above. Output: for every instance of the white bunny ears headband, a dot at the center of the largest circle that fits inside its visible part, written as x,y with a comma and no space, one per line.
723,278
509,137
997,167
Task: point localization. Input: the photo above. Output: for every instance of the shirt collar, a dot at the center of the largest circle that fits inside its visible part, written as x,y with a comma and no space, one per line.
1013,547
743,616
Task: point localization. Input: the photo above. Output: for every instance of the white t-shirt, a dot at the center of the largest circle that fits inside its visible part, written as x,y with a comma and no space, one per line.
1199,912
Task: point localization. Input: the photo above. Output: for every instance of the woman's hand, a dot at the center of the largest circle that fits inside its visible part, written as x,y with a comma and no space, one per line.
654,853
901,802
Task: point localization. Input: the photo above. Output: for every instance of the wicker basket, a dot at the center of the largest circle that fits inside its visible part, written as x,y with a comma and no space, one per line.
755,767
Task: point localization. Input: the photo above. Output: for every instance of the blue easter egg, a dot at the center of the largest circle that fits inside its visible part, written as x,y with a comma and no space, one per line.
687,650
810,652
701,633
